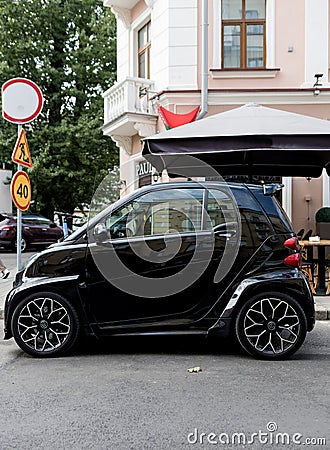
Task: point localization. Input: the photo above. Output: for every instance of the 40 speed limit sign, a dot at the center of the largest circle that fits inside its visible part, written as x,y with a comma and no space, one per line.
21,190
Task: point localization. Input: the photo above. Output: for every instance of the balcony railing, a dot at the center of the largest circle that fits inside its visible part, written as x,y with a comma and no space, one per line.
128,96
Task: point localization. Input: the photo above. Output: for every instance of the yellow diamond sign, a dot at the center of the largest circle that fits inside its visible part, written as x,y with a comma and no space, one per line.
21,154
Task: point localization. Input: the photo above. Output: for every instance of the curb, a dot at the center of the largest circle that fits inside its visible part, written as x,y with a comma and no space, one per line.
322,313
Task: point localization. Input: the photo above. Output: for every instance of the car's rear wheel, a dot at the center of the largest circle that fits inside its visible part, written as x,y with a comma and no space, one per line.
45,325
271,326
24,244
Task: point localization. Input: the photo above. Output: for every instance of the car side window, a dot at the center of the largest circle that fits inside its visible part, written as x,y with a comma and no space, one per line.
157,213
29,221
255,225
43,222
220,208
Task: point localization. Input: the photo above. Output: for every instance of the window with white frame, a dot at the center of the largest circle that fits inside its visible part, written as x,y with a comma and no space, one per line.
243,34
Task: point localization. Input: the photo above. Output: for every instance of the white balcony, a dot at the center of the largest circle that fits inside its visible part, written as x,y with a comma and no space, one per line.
126,104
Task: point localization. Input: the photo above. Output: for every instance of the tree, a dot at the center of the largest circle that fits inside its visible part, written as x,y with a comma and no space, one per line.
68,48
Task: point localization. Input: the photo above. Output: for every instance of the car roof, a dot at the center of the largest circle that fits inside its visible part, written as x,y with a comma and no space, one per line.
24,216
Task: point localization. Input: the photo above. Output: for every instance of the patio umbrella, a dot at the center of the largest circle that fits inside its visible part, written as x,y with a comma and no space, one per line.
249,140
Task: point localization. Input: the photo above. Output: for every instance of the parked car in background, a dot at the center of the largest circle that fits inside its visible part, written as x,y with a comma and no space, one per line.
36,231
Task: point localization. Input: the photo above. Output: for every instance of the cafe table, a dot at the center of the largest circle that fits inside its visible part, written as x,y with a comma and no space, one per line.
321,260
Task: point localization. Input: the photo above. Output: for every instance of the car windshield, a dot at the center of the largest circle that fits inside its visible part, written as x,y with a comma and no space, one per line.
77,233
90,223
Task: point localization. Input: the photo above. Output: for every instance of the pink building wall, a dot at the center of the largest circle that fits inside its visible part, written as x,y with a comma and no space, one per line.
138,9
291,64
290,28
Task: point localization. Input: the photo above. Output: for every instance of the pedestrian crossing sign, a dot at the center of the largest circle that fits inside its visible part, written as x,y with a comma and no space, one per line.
21,154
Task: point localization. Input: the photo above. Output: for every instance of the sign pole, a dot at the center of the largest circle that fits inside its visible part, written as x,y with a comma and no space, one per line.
19,222
22,102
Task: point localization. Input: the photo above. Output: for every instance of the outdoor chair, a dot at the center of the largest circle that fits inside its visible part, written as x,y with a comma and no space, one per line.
309,268
307,235
300,233
327,273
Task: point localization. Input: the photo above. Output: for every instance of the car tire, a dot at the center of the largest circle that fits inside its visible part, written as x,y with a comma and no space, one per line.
271,326
45,325
24,244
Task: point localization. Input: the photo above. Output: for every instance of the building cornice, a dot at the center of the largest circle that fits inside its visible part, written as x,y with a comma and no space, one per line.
283,96
150,3
122,14
145,129
123,143
130,124
244,73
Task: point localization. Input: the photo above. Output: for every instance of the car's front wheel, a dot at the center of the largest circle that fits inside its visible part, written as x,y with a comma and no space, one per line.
45,325
271,326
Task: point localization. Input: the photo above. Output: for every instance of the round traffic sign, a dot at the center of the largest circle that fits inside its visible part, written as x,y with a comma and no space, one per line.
21,190
22,100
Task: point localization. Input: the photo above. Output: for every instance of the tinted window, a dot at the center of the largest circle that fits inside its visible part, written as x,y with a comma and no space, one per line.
220,208
43,222
30,220
276,213
255,225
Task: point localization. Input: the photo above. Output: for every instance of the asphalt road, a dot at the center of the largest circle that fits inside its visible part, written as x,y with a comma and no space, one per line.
136,393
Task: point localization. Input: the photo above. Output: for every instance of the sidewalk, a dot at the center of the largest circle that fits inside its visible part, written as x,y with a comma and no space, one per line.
322,302
322,307
5,286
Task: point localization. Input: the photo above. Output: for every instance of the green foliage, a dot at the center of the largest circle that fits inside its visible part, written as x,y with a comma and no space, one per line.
68,48
323,214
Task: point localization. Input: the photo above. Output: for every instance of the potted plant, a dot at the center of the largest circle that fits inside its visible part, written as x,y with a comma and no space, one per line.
322,218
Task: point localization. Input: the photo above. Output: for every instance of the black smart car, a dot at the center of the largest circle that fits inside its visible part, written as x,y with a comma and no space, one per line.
174,258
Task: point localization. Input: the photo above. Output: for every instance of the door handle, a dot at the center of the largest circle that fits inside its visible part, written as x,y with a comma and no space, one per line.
226,234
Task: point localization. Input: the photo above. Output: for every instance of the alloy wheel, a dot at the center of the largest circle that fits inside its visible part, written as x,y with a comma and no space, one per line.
24,245
271,327
45,325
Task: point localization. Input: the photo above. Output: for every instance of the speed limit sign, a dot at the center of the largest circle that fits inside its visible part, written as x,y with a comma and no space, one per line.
21,190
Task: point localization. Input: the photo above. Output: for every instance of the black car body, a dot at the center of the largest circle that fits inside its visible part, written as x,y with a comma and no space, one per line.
262,297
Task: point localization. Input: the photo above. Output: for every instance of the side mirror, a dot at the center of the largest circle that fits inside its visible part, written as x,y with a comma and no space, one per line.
100,233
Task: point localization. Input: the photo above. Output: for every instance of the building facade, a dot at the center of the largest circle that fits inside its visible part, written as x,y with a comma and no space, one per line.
271,52
5,194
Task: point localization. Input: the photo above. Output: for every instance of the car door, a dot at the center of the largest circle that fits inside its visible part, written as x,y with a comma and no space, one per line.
31,229
148,265
240,228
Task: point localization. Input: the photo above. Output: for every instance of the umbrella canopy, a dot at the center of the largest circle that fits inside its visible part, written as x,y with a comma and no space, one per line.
250,140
